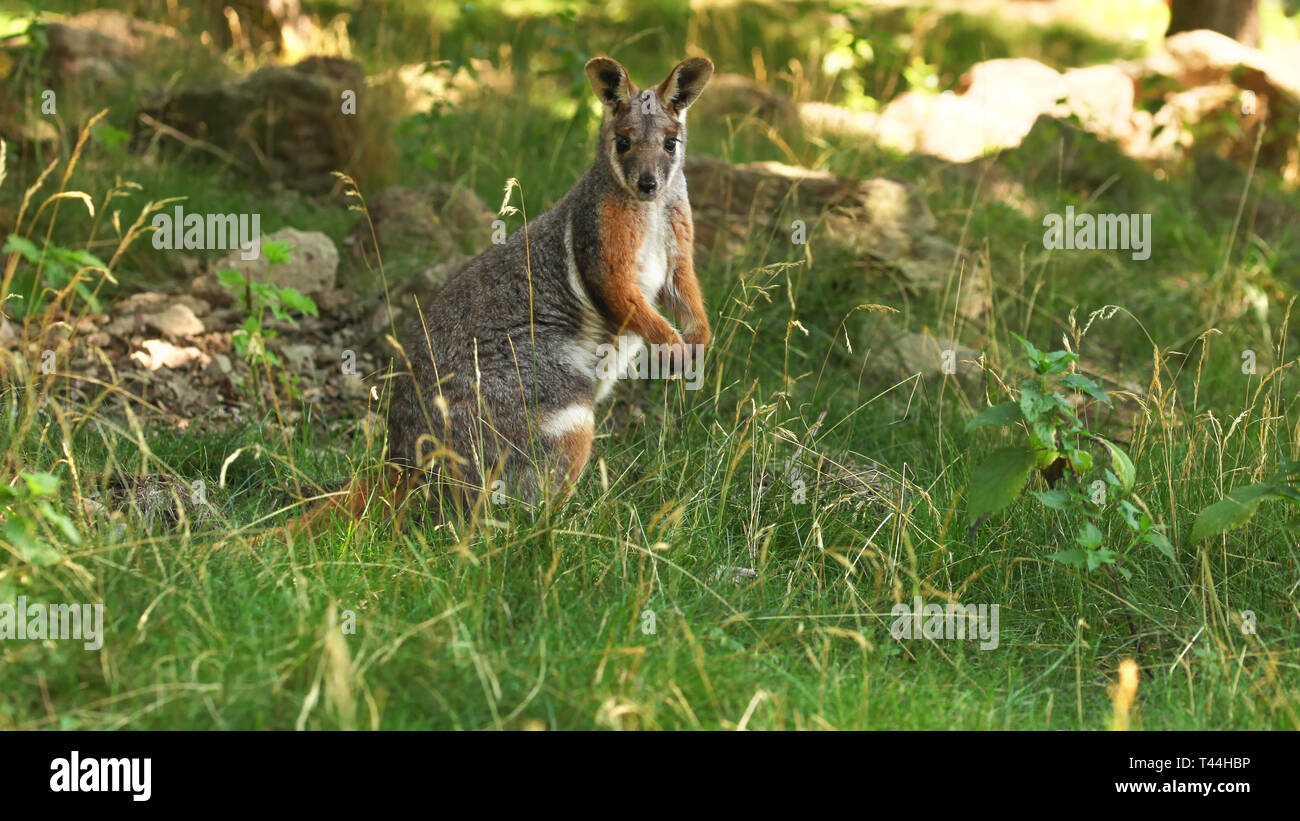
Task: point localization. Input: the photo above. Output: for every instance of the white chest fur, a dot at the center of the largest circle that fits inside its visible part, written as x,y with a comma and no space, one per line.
657,239
588,354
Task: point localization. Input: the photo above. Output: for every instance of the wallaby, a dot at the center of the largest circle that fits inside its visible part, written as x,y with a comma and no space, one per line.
505,362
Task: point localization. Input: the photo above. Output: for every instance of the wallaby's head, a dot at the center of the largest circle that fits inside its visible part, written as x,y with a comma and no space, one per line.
643,133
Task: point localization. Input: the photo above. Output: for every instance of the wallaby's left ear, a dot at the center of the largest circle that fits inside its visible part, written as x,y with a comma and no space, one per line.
609,81
685,83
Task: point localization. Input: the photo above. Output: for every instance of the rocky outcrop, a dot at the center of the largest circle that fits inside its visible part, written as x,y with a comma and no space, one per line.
283,123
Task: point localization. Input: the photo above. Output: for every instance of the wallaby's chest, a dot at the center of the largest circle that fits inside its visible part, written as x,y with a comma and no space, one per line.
654,251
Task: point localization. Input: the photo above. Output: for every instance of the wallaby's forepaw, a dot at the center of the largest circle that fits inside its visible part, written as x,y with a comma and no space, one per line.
699,339
686,352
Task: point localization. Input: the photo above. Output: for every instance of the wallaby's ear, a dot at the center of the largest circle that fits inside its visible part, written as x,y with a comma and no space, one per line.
685,83
609,81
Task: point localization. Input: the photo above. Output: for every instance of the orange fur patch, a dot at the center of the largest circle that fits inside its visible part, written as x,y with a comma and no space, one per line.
576,446
686,302
621,229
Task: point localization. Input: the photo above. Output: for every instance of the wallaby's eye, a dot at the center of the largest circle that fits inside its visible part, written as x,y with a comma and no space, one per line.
621,143
670,144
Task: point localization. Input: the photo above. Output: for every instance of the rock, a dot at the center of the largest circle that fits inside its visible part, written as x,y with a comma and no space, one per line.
825,118
932,264
909,353
26,133
292,114
159,354
877,217
739,97
417,227
1218,75
998,103
311,269
301,357
1204,57
178,312
1104,98
9,332
102,44
220,364
177,321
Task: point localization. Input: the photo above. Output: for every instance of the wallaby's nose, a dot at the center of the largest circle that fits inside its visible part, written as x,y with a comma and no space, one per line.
647,184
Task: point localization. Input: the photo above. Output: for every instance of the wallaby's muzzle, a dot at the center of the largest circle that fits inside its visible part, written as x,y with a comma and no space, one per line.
646,186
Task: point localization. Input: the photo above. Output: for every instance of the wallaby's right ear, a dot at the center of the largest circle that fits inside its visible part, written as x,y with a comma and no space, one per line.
609,81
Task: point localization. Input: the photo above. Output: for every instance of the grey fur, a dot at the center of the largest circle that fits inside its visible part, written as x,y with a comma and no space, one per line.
501,341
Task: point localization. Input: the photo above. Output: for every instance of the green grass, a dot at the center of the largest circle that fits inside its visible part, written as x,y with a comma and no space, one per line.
523,620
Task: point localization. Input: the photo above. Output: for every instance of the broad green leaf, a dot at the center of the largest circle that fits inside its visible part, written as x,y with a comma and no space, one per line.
1158,540
8,591
1120,463
30,549
23,246
276,252
1288,493
1058,361
84,259
1089,536
1074,557
1055,499
1030,403
1082,383
1234,510
996,483
1096,558
231,279
1080,461
1007,413
295,301
63,523
1034,354
1130,513
41,484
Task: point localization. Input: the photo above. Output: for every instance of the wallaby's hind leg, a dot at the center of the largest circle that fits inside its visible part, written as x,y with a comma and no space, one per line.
568,434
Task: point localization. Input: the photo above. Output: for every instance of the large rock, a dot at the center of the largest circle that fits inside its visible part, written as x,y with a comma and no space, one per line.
729,199
311,269
102,44
1218,80
905,354
286,122
421,229
1104,98
739,97
997,105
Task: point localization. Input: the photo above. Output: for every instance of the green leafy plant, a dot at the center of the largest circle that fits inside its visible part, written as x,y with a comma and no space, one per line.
1237,508
51,268
1088,476
31,524
261,299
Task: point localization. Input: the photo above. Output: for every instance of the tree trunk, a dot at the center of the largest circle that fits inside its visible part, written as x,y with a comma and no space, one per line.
1239,19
